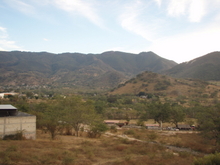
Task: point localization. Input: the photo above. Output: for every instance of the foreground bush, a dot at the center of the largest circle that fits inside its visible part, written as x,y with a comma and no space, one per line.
213,159
18,136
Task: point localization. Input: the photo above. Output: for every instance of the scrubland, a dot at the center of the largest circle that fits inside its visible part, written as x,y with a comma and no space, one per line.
113,149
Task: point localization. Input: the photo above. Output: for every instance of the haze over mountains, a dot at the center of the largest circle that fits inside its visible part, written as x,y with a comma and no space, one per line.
105,70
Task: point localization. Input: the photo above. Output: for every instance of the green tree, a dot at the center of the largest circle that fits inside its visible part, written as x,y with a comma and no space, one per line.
177,115
79,112
209,122
53,118
100,107
160,112
96,129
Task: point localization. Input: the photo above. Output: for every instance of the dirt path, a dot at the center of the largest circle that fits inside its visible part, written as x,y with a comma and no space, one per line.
173,148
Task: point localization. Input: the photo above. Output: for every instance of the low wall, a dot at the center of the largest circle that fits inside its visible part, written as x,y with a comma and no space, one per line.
23,122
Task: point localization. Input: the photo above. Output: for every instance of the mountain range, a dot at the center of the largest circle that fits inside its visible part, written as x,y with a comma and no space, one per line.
93,71
105,70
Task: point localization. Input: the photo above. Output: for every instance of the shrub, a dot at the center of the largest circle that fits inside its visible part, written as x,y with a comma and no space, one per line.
213,159
129,132
68,160
125,141
113,129
18,136
134,82
163,85
140,123
97,129
12,148
152,136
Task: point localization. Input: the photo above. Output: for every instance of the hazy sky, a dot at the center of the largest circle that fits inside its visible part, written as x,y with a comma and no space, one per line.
179,30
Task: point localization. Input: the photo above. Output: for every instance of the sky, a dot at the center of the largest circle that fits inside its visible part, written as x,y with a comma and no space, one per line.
178,30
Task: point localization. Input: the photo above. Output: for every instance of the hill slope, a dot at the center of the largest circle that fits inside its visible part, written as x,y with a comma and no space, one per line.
165,87
75,69
206,67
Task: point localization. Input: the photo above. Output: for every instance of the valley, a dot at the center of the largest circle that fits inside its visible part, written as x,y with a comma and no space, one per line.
137,89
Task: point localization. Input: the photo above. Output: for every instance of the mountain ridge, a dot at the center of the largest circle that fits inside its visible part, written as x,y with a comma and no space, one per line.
205,67
76,69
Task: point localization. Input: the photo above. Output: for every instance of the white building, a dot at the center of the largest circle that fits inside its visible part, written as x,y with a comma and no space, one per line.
2,95
12,121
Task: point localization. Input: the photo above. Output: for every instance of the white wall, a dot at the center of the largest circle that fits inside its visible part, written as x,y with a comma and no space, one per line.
11,124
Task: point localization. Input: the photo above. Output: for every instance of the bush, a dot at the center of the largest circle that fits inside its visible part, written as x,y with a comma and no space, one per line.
163,85
97,129
113,129
18,136
152,136
213,159
129,132
140,123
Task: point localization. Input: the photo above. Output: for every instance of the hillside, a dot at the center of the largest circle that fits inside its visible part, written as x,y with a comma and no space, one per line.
151,84
104,70
206,67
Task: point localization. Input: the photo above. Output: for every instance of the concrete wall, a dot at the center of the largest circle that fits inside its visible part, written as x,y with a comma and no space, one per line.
11,124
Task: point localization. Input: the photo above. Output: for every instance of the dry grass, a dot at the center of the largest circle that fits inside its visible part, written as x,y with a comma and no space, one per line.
186,139
178,88
103,151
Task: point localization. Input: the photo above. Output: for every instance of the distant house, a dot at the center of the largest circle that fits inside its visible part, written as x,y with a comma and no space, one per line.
183,127
111,121
114,122
2,95
152,126
12,121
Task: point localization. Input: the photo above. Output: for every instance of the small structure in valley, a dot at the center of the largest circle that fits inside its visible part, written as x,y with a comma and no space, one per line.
2,95
183,127
114,122
152,126
13,121
111,122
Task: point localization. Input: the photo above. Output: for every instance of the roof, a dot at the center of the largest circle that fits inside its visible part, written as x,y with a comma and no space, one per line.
183,126
152,125
111,121
7,107
7,110
23,114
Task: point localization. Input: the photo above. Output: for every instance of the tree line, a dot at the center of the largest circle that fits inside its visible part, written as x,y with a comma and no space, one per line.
75,112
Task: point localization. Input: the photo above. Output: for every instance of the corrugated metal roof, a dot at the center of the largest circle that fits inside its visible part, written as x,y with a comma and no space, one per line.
7,106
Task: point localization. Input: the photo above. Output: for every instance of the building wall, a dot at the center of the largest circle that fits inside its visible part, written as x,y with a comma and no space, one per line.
12,124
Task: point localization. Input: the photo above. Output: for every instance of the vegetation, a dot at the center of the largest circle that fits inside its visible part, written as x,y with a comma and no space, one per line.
177,114
209,122
106,149
84,151
74,70
203,68
160,112
212,159
147,98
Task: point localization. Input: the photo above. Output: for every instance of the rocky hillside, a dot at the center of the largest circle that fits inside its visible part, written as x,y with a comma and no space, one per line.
104,70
